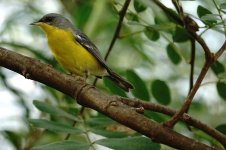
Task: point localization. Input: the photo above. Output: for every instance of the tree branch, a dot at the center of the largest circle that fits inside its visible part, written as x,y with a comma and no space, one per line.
88,96
170,112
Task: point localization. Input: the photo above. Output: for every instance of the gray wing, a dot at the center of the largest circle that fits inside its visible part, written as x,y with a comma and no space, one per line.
82,39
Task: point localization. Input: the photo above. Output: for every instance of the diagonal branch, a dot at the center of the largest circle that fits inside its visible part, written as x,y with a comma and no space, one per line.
220,51
122,14
88,96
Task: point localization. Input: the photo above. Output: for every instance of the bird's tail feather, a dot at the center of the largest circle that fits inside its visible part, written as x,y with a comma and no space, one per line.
122,83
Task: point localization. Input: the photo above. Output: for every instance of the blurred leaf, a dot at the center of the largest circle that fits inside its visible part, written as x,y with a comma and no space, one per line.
181,35
139,7
99,121
53,110
169,26
172,52
129,143
64,145
14,138
132,17
202,11
222,77
79,10
222,128
161,92
140,89
114,89
54,126
218,68
35,52
210,17
99,125
151,34
108,134
221,89
223,6
154,115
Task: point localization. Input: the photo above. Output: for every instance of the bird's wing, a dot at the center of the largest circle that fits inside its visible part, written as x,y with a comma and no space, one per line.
82,39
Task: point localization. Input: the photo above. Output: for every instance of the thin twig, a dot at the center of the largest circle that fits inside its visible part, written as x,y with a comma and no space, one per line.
191,76
192,63
122,14
220,51
221,17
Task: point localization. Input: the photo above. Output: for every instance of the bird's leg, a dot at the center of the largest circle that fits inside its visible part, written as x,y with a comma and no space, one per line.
77,77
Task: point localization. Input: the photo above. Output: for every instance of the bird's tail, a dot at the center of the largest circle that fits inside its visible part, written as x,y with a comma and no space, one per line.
122,83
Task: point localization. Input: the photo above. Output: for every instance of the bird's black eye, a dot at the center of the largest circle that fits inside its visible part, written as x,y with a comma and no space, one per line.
47,19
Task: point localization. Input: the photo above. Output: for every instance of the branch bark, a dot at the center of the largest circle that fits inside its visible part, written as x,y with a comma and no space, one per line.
88,96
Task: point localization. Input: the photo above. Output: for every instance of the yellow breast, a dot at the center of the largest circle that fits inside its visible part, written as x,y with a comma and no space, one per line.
70,54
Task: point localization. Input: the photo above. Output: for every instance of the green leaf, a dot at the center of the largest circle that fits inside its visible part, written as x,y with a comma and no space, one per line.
202,11
14,138
99,121
64,145
154,115
99,125
161,92
54,126
114,89
139,7
140,89
172,52
210,17
152,34
218,68
81,12
107,133
221,89
53,110
129,143
222,77
223,6
222,128
181,35
132,17
167,26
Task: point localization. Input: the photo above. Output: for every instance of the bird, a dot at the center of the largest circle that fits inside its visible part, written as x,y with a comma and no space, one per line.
74,50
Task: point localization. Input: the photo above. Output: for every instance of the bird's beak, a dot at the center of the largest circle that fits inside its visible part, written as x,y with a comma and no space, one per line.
35,23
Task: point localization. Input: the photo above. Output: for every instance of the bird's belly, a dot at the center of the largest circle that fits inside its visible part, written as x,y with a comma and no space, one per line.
73,57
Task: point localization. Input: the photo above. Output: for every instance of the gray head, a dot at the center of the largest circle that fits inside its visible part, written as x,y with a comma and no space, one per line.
55,20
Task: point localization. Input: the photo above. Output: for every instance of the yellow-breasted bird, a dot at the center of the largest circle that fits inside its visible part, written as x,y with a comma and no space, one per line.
74,51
